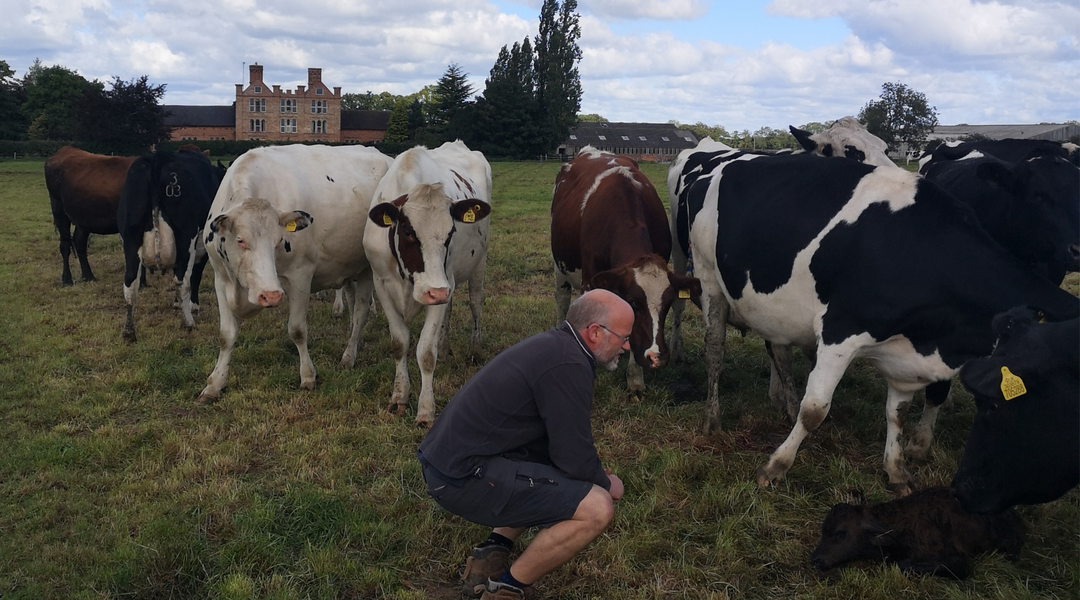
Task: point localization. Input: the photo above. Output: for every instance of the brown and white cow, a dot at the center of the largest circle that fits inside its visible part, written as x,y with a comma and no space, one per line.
609,230
288,221
84,191
427,231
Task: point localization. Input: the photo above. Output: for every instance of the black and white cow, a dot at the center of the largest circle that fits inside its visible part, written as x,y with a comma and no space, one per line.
162,209
856,262
1024,445
847,138
427,232
288,221
1008,150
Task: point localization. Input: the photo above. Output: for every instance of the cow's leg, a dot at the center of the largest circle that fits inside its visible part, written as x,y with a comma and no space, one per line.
229,328
444,330
81,241
936,394
196,281
399,346
339,303
357,296
831,363
63,227
427,357
183,271
476,306
675,342
132,268
714,310
299,295
782,380
635,378
565,284
899,478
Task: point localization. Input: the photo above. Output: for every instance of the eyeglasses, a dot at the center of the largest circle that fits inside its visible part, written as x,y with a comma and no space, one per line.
625,338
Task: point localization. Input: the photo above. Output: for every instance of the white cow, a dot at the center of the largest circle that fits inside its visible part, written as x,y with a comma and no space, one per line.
288,221
428,230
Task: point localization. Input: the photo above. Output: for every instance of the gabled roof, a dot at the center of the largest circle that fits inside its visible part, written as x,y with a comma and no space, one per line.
177,115
606,135
365,120
1000,132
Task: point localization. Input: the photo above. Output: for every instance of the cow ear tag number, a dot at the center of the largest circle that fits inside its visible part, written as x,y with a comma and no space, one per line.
290,226
1011,385
684,295
386,220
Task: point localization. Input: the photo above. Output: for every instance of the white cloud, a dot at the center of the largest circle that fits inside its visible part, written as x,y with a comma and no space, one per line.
646,9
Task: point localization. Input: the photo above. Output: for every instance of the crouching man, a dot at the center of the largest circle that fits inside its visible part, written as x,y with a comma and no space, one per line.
514,449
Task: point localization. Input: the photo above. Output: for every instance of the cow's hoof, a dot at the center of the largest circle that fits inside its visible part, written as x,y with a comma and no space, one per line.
635,395
67,284
396,408
129,336
348,362
206,398
423,423
308,385
710,426
902,489
765,479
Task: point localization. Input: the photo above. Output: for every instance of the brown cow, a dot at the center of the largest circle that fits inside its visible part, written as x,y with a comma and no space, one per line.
609,230
84,191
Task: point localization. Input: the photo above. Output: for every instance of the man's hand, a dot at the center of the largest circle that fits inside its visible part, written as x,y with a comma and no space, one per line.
616,490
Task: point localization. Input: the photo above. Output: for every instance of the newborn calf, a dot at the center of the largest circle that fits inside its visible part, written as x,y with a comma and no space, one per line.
926,532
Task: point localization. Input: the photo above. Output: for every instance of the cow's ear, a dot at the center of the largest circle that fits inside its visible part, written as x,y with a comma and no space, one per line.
803,137
982,377
687,287
997,174
295,220
220,224
470,211
607,280
384,214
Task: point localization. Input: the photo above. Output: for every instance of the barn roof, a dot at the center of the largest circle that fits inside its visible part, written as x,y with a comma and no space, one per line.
1046,131
178,115
365,120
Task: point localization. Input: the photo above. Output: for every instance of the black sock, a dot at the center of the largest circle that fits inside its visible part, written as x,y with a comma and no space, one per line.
497,540
508,578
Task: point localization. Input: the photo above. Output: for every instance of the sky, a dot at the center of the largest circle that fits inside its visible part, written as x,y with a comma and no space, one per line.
741,64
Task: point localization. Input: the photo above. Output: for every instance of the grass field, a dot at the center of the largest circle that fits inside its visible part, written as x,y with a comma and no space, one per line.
114,484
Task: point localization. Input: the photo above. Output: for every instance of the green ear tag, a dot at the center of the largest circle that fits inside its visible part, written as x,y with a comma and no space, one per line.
684,294
1011,385
290,226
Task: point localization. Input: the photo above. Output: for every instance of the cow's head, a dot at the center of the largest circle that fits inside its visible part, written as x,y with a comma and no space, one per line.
846,138
1044,208
850,532
247,238
420,226
650,287
1024,445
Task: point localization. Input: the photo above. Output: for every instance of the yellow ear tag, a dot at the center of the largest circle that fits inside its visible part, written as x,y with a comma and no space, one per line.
386,220
684,295
468,217
290,226
1011,385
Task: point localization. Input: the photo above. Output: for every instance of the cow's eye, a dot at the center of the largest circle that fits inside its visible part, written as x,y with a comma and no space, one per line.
240,242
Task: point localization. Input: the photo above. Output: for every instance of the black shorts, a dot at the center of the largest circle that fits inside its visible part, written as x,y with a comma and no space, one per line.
509,493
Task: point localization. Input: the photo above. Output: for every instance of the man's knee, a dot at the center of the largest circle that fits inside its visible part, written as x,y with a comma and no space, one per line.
597,508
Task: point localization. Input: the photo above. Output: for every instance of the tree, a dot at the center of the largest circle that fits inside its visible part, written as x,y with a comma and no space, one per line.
591,118
51,97
127,118
369,101
506,113
452,93
700,129
13,123
397,130
900,116
558,83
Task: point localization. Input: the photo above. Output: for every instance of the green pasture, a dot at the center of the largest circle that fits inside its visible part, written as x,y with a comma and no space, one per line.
115,484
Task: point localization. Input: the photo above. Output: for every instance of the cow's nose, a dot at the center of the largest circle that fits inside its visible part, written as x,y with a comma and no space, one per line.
654,359
437,296
270,299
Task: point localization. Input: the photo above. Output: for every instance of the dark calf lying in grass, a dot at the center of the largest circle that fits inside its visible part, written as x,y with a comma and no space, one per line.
926,533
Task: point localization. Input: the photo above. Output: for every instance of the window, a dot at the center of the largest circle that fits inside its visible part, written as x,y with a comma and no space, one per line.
602,137
641,137
665,138
288,126
257,125
318,126
318,92
318,107
258,89
256,105
288,106
573,137
626,138
689,139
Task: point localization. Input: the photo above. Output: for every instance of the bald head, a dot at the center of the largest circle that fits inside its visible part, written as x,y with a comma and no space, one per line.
597,306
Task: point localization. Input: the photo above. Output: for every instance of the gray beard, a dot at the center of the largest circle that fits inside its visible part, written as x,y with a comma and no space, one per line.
612,364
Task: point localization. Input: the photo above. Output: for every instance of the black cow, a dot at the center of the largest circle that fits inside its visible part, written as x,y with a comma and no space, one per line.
1024,445
1009,150
857,262
163,207
925,533
1032,207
